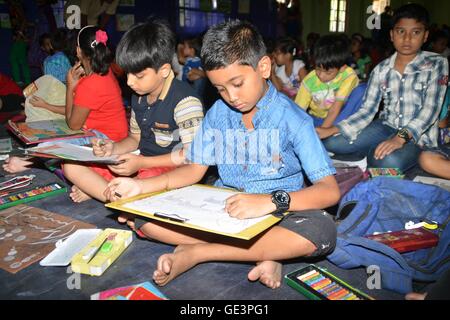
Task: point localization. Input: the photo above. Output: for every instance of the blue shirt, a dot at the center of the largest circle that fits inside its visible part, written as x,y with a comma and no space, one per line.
271,157
57,66
191,63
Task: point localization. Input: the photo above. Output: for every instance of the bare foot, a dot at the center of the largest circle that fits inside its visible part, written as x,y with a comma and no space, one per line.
171,265
268,273
416,296
16,164
127,218
78,196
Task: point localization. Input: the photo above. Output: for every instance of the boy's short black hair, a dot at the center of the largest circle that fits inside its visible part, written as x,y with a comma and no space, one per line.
195,43
58,39
440,34
412,11
42,38
332,51
230,42
146,45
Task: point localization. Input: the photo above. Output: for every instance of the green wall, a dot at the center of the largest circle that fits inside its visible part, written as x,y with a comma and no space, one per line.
316,14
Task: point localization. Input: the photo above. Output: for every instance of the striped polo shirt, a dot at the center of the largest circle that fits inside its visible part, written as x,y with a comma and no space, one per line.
171,121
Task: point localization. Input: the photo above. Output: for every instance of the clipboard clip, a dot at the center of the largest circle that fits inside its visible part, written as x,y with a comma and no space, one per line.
170,216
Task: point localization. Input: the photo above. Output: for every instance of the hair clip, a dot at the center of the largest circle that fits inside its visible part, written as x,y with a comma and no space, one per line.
101,37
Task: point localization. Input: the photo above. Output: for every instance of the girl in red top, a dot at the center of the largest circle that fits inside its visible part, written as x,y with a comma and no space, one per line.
93,102
94,99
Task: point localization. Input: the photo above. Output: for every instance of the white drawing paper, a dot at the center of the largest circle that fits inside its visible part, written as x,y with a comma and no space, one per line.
201,206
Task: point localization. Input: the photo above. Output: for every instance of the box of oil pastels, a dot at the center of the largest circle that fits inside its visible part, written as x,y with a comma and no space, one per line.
90,251
316,283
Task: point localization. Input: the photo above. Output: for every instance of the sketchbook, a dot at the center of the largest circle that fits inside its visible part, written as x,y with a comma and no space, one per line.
143,291
199,207
42,131
344,163
70,152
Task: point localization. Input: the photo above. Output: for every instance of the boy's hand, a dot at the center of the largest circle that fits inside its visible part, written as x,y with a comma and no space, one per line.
194,74
102,148
327,132
38,102
246,206
386,148
131,165
122,188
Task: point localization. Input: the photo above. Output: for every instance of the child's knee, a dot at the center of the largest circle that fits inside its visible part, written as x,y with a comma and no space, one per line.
70,170
425,160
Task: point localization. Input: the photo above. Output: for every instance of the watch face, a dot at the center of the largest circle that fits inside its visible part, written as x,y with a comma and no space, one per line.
282,197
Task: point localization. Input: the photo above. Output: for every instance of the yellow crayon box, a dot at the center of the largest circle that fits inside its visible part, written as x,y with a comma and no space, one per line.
101,252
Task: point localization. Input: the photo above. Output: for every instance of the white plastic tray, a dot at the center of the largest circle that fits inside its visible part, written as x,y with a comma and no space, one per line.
65,250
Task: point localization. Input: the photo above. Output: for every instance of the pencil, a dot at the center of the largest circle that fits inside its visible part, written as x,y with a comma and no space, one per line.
98,249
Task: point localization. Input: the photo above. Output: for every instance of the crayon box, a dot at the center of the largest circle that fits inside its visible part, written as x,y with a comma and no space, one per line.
386,172
317,284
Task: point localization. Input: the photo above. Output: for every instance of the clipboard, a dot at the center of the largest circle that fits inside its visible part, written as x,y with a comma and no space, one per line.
31,133
183,219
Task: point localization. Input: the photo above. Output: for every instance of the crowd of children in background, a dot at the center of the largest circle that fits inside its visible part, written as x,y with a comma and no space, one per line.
400,118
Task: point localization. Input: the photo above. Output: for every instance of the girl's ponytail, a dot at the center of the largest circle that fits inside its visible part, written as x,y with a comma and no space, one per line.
93,43
287,45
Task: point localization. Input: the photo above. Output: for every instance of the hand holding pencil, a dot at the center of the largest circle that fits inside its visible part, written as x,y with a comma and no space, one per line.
102,147
122,188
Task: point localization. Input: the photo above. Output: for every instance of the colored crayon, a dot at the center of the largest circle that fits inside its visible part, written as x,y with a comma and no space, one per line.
315,280
338,295
321,284
312,279
314,275
306,275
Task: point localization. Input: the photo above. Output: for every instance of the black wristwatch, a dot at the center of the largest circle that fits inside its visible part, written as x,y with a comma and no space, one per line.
404,134
282,200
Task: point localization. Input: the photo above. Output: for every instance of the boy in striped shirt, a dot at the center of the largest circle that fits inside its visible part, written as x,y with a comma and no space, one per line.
166,112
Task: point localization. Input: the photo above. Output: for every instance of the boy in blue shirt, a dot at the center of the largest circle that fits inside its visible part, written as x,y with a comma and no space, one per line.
261,142
192,69
58,65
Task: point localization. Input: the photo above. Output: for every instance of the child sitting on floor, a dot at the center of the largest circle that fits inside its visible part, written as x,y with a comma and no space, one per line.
437,161
94,100
192,70
325,90
289,71
252,116
164,110
361,61
57,65
412,84
51,89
